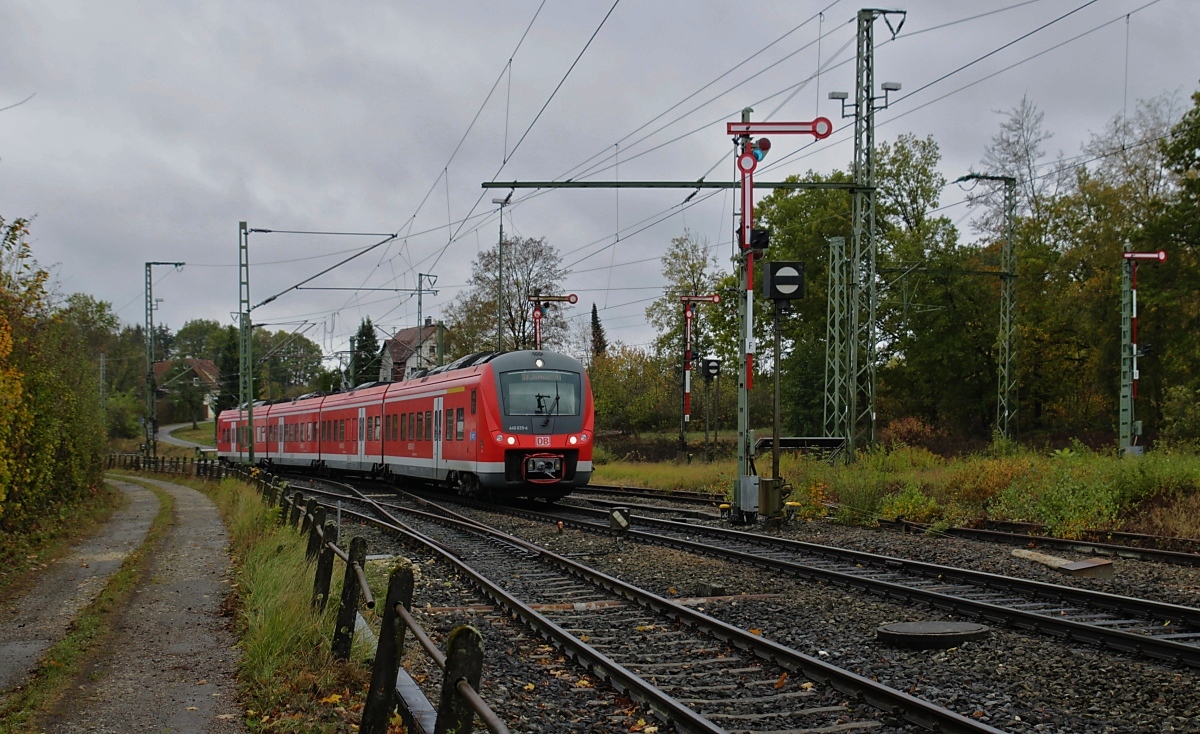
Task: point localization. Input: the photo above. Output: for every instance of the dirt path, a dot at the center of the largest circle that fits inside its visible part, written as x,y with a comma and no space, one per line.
170,664
37,618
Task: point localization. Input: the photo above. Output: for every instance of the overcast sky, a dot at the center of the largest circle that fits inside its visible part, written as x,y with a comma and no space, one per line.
155,127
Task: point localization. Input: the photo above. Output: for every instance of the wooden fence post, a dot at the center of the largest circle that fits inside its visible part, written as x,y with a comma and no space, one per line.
343,633
464,661
306,519
381,699
285,509
314,538
324,573
297,509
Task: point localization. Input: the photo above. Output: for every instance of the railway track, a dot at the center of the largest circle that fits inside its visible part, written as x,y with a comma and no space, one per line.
699,673
1137,626
1149,549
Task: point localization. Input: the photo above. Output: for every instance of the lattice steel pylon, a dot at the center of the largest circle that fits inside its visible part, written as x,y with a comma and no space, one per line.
837,340
1006,403
151,419
245,442
862,269
858,354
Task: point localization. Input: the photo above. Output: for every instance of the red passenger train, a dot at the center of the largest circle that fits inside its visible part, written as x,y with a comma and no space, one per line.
515,424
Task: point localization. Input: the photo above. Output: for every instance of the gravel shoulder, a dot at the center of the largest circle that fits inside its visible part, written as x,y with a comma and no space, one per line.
170,663
34,620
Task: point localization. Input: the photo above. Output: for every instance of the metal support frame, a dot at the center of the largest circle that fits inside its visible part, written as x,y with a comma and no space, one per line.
1006,357
862,346
1006,403
151,418
838,386
500,272
245,443
851,364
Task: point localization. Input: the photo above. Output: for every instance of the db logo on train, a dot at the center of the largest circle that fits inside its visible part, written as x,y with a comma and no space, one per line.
543,441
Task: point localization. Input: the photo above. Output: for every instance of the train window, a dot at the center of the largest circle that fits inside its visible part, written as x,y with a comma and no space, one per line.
449,434
412,427
378,427
403,427
460,424
428,425
420,425
341,429
472,401
540,392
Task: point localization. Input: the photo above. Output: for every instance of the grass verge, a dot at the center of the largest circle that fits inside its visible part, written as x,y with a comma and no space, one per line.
64,660
1070,491
288,680
202,433
22,551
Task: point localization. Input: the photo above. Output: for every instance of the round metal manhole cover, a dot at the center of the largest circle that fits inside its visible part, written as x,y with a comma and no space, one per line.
931,635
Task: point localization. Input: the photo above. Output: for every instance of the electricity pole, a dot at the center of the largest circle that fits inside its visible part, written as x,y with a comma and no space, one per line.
246,366
500,275
858,360
1006,362
151,419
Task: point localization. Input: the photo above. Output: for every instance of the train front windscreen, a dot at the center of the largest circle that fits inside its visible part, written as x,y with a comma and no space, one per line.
541,392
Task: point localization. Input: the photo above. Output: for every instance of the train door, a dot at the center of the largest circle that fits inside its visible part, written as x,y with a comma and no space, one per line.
362,436
437,438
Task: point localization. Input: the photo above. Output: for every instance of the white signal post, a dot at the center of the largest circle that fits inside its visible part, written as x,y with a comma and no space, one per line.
747,160
539,302
1130,351
689,313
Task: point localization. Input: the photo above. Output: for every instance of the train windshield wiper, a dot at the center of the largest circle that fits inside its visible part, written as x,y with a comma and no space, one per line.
553,407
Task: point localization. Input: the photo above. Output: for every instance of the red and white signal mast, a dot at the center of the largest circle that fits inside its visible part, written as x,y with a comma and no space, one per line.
1131,348
689,313
540,303
753,243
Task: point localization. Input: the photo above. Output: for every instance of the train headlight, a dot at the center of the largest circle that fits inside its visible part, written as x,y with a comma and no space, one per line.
572,440
512,440
539,362
583,437
499,438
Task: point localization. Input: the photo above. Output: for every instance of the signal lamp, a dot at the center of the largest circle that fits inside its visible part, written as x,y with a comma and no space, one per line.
762,146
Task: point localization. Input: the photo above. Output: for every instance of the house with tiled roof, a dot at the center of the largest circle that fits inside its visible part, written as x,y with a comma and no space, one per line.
199,373
409,350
